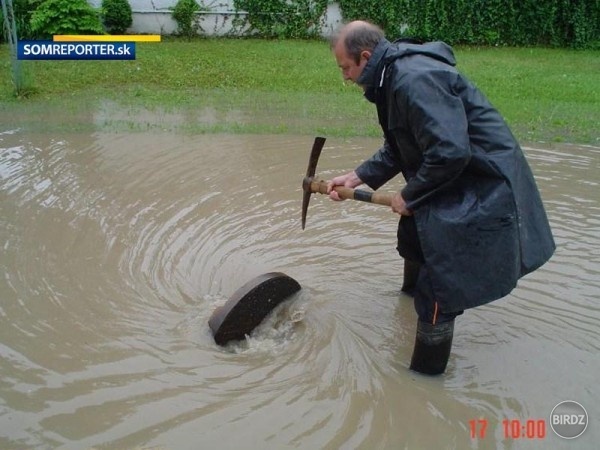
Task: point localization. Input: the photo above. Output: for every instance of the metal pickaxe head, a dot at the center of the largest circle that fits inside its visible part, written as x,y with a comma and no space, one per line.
310,173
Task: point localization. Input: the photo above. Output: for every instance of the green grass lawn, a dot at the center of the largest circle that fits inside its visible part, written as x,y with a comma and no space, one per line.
290,87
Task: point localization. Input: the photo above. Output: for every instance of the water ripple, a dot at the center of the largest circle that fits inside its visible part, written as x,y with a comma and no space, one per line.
117,249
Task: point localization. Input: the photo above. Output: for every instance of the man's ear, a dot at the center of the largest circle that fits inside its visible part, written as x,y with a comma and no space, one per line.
365,54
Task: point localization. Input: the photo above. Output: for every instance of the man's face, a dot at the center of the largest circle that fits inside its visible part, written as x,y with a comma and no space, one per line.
350,69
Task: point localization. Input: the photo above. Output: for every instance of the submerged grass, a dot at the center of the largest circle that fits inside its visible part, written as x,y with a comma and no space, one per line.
261,86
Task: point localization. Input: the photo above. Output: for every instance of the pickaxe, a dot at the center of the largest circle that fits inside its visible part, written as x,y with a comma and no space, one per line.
309,185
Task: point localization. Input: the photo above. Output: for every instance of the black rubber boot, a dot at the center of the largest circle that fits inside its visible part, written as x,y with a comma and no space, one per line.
411,274
432,347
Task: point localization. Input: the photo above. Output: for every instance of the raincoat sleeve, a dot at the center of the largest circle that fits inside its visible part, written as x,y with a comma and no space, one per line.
380,168
438,123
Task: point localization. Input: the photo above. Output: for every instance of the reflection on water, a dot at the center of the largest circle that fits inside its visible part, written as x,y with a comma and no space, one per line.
118,247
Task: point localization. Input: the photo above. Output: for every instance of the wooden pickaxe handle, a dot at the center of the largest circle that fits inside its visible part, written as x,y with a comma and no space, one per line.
379,198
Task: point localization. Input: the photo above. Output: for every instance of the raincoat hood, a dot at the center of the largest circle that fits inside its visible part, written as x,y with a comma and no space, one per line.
386,52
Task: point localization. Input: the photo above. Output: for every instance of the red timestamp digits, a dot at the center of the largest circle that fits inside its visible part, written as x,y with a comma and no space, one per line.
528,429
512,429
478,428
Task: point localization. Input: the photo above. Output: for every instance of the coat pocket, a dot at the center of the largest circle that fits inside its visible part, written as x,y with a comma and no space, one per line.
470,240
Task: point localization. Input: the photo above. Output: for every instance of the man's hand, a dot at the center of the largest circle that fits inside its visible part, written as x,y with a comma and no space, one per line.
349,180
399,205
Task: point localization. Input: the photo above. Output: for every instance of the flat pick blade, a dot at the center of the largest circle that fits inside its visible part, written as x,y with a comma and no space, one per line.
314,156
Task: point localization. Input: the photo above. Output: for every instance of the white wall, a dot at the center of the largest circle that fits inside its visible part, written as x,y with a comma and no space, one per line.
154,17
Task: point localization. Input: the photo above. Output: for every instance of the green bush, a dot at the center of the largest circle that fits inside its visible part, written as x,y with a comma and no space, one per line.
65,17
282,18
564,23
23,10
116,15
390,15
184,13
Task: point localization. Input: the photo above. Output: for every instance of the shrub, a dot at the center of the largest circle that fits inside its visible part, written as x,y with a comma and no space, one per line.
567,23
65,17
22,10
282,18
116,15
184,13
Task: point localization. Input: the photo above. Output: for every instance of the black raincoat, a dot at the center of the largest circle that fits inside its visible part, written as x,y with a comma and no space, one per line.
478,213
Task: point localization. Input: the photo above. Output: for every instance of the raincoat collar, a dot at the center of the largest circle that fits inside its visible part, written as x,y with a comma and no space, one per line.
371,77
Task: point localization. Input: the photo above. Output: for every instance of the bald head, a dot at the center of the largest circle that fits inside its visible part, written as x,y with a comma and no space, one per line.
356,37
353,46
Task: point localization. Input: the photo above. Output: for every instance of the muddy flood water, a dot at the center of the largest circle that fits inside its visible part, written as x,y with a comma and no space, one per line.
117,248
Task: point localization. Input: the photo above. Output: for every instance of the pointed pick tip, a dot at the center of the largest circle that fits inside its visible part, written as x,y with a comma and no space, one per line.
310,172
305,202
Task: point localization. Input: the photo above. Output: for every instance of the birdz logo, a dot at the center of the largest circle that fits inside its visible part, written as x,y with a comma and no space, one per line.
568,419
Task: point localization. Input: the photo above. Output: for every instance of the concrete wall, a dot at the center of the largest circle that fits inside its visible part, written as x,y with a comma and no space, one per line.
154,17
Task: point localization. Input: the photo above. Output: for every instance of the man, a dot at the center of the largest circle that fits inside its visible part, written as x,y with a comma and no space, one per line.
471,218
